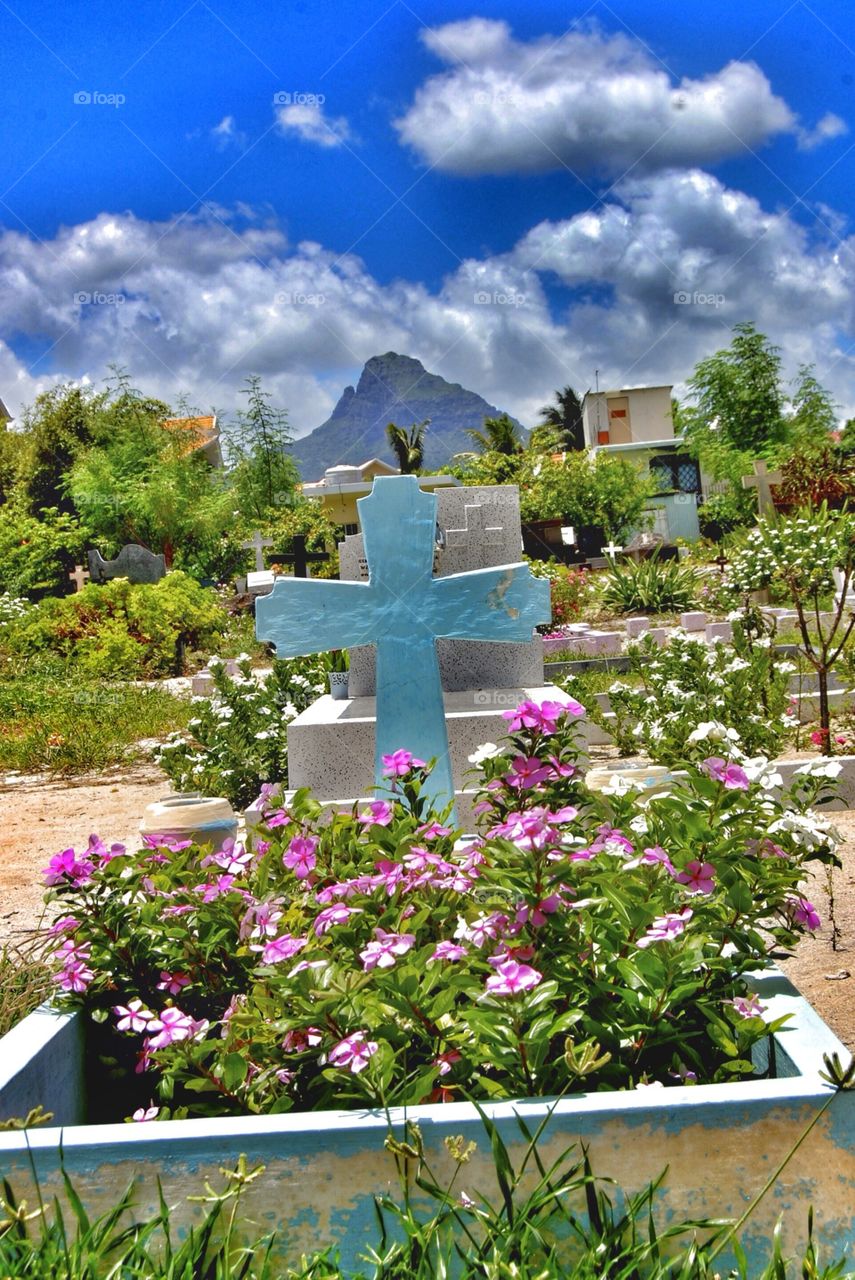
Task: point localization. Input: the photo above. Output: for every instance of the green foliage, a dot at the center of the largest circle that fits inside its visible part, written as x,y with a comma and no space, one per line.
374,1013
408,446
67,724
55,430
561,422
238,737
690,700
122,628
570,590
738,399
585,489
264,475
736,508
37,553
499,436
650,586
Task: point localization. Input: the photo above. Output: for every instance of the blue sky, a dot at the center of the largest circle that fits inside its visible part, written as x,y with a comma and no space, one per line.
516,195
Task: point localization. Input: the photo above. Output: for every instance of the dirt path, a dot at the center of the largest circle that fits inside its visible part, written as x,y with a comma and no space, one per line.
39,817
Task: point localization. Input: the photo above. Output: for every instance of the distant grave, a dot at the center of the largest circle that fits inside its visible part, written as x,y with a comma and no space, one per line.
133,562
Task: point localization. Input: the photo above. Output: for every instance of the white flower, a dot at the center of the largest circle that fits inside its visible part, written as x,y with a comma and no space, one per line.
289,711
822,768
486,751
264,735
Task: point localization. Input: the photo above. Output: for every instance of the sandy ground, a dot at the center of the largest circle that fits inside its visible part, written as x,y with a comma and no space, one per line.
40,816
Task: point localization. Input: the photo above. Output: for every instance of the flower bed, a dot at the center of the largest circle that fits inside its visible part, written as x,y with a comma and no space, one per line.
603,945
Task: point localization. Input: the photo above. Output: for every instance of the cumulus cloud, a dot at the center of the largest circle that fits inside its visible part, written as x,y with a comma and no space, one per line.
656,277
308,122
830,126
226,134
589,101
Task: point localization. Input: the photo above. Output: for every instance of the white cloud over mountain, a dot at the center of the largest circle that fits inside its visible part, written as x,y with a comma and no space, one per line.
658,274
588,101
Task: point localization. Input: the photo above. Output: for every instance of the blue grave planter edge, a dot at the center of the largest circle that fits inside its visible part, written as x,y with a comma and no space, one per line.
720,1143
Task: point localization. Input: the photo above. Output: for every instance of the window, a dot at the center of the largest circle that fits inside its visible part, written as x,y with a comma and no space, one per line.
676,471
350,529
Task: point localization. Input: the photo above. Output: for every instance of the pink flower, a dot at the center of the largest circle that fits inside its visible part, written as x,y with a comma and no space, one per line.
699,877
172,982
818,737
166,842
300,857
133,1016
543,717
338,913
353,1052
261,920
143,1114
433,831
445,1061
653,856
512,978
802,912
208,892
734,778
666,928
748,1006
172,1026
447,951
65,924
530,830
487,928
399,764
381,953
560,770
233,858
281,949
66,868
379,813
97,849
300,1040
527,772
74,977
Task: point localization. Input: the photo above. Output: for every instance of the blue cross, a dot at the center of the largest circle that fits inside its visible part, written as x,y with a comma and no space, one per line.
403,609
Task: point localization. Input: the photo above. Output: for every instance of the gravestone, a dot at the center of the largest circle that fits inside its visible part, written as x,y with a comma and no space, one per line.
257,544
839,581
133,562
477,527
762,480
79,576
298,557
403,609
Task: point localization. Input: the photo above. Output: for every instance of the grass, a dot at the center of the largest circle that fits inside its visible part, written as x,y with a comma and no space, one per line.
25,983
57,722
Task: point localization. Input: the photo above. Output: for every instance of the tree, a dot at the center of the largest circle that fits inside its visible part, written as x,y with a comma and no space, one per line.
55,430
814,413
264,475
585,489
408,446
499,436
738,398
565,419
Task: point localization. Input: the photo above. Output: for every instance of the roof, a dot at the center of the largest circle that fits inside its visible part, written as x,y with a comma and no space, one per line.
202,433
5,415
624,391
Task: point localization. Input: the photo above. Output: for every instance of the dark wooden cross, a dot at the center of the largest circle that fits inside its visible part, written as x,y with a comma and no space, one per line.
299,557
721,560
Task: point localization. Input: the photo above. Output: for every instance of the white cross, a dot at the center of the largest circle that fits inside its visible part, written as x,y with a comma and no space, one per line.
257,544
761,481
79,576
611,550
488,535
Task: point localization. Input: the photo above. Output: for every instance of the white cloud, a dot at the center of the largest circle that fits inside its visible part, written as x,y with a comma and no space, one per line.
830,126
590,101
204,303
226,133
308,122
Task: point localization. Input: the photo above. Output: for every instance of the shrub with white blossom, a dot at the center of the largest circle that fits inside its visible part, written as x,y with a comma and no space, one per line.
238,735
800,556
694,697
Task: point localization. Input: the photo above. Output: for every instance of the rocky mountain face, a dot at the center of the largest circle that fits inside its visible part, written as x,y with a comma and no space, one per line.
393,388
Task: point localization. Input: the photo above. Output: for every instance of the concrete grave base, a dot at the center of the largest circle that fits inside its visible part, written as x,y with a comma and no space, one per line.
331,743
720,1144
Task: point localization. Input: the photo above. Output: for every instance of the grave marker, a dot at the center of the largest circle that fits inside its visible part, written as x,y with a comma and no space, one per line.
79,576
299,557
257,544
133,562
761,480
404,610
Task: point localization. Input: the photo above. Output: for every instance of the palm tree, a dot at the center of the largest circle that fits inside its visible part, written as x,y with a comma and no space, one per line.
565,417
408,446
499,436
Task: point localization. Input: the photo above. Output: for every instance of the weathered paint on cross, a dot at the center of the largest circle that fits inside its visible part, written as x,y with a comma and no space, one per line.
403,609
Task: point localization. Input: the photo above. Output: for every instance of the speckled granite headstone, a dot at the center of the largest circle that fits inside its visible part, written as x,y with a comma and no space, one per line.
480,528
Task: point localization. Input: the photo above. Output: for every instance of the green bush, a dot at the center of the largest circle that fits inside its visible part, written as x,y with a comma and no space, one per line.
36,555
239,736
122,628
650,586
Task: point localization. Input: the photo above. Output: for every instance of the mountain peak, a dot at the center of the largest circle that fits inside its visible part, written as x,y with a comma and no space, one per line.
393,388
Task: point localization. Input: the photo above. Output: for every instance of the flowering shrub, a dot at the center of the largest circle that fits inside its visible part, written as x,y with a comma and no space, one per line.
650,586
581,941
11,608
239,735
569,591
694,696
800,556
